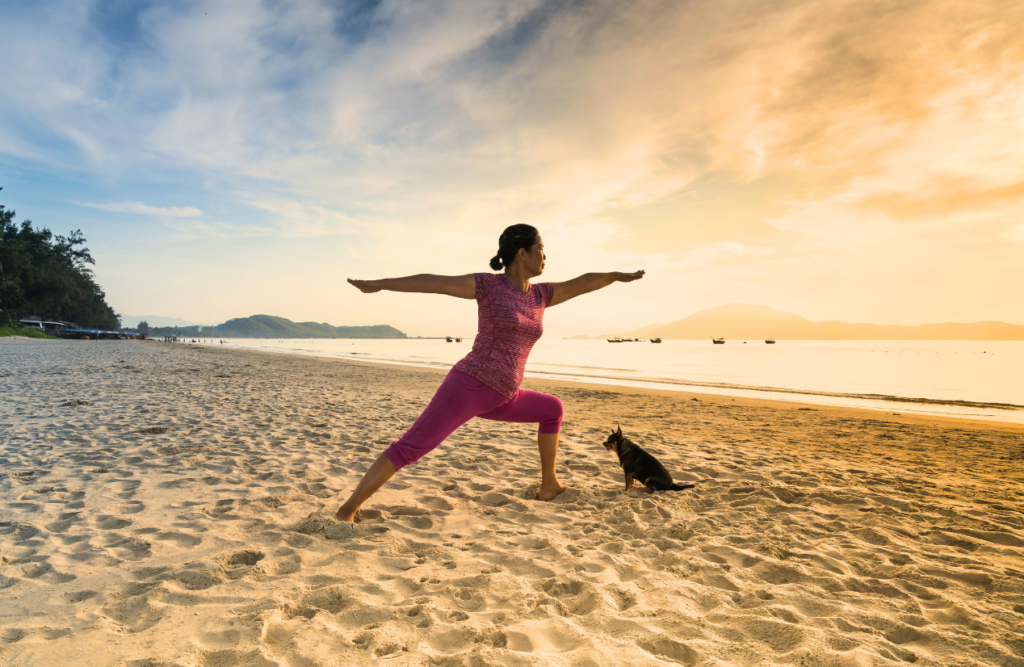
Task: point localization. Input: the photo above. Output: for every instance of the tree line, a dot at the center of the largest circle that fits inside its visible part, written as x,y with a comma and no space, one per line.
48,275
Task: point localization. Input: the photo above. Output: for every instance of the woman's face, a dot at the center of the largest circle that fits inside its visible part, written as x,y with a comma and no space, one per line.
534,257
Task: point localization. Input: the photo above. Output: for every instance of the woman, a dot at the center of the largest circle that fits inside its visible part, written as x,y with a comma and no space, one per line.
486,382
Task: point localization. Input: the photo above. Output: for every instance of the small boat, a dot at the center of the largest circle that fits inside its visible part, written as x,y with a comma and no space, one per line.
615,340
458,340
770,341
655,340
718,341
448,339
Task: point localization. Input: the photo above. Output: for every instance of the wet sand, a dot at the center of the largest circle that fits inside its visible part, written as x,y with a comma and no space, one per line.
172,505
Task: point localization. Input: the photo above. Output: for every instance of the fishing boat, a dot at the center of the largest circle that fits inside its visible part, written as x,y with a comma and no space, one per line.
616,340
458,340
718,341
448,339
655,340
770,341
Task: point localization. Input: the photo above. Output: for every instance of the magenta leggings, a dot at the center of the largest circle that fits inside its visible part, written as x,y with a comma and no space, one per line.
462,397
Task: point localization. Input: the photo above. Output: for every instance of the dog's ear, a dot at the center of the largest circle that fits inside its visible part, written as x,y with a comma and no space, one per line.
619,431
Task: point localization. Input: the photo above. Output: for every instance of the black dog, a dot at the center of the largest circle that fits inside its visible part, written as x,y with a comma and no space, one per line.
640,466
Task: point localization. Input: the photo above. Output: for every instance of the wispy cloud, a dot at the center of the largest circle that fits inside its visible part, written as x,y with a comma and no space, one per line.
293,218
139,208
715,253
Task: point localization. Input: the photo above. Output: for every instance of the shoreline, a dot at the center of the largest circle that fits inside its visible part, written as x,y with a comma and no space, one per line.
1001,411
779,404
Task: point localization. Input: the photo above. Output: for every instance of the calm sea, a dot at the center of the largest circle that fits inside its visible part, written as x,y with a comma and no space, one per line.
979,379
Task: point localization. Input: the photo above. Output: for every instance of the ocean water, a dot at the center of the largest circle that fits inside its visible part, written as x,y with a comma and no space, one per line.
978,379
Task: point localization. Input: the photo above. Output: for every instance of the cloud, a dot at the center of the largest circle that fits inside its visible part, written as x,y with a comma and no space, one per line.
755,142
294,218
715,253
139,208
518,110
1016,233
948,196
190,229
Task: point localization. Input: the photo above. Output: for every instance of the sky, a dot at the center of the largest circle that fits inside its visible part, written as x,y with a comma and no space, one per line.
860,161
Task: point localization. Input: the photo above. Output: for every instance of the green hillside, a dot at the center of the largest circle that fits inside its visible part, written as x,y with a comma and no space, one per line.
269,326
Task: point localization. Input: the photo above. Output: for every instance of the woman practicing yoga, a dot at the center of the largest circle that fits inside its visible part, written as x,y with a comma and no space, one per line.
486,382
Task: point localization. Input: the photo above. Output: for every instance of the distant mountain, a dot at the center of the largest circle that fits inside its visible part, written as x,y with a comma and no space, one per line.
579,337
642,332
269,326
132,321
746,322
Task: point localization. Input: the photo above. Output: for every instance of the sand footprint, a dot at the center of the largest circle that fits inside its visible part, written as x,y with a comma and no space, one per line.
469,599
183,540
133,614
413,517
108,522
128,489
621,598
43,571
197,576
436,503
496,499
329,599
130,548
669,649
81,596
132,507
326,525
64,522
241,563
579,597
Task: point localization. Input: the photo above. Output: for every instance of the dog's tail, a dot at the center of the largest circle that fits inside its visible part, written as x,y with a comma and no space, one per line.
681,487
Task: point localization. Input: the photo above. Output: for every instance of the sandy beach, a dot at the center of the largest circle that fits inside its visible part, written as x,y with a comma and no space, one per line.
170,505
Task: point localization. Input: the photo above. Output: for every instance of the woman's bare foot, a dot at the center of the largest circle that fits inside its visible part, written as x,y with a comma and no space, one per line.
549,491
350,517
380,472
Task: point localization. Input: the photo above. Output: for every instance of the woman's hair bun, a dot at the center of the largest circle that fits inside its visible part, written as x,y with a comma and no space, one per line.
512,240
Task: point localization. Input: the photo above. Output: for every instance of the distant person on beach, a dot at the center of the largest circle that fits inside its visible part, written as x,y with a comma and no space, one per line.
486,382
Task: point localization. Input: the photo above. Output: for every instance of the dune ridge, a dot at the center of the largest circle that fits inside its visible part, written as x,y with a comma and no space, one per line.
169,505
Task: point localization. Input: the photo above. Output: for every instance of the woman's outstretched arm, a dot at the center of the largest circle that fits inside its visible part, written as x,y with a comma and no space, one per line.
589,282
463,287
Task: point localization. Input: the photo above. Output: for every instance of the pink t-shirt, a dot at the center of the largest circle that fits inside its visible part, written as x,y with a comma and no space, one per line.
511,321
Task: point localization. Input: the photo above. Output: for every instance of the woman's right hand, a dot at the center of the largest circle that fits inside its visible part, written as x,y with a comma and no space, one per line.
463,287
365,286
629,277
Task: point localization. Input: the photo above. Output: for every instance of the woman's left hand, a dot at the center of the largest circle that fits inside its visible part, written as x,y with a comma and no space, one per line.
365,286
589,282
